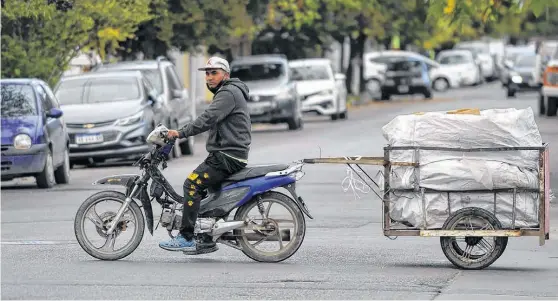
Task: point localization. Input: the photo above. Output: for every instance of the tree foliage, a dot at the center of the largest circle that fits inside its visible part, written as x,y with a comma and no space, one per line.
40,37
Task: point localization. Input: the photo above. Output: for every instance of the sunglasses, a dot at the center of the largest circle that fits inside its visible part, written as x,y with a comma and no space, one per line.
212,72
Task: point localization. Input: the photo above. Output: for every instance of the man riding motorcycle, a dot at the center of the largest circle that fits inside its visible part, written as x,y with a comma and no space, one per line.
228,144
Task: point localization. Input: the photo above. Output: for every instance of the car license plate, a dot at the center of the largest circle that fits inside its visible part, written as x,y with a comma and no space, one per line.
89,138
403,89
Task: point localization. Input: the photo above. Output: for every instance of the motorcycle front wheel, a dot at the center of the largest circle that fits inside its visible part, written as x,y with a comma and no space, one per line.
96,242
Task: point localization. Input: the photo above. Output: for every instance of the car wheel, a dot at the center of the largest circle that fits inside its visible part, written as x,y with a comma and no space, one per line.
344,115
373,87
441,84
62,173
45,179
552,106
386,96
511,92
542,105
295,123
427,94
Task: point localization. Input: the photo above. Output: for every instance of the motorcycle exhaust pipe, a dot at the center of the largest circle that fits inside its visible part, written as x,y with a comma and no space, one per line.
285,235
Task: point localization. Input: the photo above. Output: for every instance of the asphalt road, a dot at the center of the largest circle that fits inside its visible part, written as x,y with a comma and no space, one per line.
344,255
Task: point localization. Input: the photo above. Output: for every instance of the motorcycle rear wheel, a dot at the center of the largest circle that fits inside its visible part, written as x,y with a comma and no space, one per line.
102,222
284,251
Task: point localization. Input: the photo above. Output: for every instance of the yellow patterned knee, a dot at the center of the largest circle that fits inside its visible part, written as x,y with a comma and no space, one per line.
193,176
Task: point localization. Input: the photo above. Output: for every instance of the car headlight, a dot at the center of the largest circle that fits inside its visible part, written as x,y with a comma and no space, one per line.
326,92
22,141
130,120
516,78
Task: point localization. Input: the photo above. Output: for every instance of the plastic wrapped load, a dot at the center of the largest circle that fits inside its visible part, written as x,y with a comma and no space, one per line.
462,171
407,207
490,128
463,175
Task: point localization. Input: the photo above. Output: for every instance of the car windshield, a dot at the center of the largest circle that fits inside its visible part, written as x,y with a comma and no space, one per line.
310,72
102,89
453,59
525,61
18,100
258,71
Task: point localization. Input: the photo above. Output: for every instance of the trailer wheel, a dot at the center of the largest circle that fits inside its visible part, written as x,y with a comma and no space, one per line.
473,252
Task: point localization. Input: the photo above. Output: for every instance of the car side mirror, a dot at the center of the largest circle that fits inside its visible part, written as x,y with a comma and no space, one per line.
153,98
340,76
54,113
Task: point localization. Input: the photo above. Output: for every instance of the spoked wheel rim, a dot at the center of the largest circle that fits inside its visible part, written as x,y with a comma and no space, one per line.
270,227
102,221
473,248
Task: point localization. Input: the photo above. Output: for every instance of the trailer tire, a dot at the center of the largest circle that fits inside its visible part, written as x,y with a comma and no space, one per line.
463,259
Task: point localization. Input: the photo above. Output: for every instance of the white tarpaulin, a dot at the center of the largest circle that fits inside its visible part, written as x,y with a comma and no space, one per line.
461,171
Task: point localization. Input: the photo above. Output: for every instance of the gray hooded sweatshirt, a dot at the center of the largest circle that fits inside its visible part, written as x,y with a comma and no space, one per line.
228,120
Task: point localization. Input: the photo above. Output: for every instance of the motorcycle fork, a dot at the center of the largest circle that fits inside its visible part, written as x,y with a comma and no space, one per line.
122,209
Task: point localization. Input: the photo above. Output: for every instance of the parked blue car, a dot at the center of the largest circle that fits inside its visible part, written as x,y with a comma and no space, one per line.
35,141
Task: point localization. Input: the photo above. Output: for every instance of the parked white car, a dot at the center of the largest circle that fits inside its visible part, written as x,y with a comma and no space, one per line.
482,51
321,91
462,63
442,78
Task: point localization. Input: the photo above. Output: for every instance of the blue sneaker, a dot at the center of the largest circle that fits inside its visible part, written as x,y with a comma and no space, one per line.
179,243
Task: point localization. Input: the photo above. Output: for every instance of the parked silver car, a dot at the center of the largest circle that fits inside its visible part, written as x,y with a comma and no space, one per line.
162,74
273,95
109,114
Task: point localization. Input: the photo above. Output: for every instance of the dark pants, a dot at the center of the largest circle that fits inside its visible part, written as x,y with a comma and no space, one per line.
212,172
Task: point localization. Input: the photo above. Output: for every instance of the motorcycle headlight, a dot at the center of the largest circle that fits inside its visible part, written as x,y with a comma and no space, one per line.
130,119
22,141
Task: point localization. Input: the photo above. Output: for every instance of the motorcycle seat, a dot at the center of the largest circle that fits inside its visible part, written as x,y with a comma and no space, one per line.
255,171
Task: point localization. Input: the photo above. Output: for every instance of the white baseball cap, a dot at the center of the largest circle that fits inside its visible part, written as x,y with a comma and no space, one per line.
216,62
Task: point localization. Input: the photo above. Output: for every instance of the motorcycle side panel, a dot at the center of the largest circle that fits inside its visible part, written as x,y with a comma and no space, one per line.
220,203
236,195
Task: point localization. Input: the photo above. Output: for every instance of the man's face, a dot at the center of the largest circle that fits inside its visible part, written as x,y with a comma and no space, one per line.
214,77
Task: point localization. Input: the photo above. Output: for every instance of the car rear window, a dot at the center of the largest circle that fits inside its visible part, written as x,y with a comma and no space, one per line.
18,100
102,89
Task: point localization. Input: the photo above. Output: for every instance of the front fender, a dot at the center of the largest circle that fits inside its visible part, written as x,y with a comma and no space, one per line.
122,180
128,180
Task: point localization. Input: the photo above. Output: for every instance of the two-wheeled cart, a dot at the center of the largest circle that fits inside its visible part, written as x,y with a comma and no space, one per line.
471,237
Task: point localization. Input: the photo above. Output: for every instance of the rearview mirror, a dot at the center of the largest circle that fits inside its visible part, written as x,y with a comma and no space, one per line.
340,76
54,113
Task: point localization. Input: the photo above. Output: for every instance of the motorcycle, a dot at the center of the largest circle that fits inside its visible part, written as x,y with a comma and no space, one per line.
252,188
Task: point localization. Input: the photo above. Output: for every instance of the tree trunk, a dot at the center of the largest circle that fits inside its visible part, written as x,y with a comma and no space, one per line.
360,44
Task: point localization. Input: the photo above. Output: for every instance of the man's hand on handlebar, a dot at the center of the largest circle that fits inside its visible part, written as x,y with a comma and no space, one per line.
172,134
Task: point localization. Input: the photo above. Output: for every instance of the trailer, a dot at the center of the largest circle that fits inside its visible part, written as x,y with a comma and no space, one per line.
466,234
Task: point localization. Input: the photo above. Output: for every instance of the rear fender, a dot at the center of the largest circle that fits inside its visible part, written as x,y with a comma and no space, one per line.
291,188
128,181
